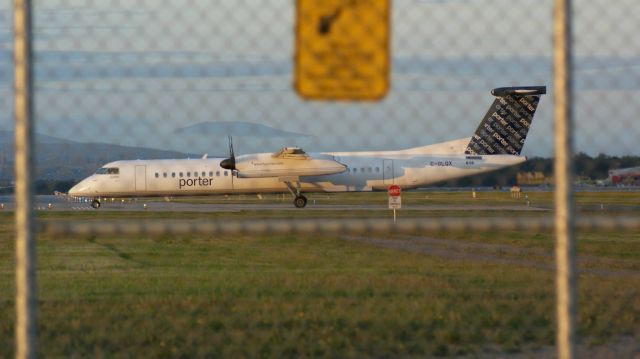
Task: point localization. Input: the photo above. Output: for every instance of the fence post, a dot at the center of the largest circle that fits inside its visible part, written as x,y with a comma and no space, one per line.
563,172
24,217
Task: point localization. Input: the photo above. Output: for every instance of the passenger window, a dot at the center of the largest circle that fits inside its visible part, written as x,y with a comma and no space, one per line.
226,173
211,174
362,169
377,169
188,174
370,170
157,175
204,174
355,170
164,175
180,174
218,173
173,174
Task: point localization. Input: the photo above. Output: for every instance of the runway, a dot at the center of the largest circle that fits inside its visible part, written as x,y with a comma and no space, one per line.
54,203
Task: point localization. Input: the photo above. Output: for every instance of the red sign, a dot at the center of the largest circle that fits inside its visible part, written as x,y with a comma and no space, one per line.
394,190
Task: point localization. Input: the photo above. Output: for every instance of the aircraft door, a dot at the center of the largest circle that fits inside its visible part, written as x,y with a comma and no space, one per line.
387,171
141,178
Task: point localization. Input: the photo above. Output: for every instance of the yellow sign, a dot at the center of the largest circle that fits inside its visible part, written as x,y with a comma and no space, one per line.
342,49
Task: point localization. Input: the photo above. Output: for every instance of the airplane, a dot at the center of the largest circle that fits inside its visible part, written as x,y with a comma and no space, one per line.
496,143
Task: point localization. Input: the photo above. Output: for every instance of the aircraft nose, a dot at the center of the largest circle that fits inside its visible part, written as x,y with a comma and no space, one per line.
73,191
79,189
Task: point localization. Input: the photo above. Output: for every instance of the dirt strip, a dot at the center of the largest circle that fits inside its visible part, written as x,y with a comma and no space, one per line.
493,253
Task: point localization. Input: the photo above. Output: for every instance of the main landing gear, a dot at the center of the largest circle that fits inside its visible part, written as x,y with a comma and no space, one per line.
95,203
299,200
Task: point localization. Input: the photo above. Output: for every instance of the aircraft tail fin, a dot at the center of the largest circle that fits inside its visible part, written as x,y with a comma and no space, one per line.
504,128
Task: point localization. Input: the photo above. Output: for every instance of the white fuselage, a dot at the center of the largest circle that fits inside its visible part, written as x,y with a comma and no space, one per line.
360,171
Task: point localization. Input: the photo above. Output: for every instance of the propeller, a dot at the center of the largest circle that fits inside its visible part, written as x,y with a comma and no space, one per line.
229,163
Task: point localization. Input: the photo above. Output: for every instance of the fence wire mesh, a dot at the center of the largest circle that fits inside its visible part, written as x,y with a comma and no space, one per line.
148,81
122,80
181,77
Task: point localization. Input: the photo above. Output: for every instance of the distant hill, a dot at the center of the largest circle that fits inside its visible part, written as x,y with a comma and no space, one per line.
8,137
236,128
58,159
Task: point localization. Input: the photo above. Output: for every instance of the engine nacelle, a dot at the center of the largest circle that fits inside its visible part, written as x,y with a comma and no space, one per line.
266,165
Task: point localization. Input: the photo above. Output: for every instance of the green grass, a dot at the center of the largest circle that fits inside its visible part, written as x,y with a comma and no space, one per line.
321,296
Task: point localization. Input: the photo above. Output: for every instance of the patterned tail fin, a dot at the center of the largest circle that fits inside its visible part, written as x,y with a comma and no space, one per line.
504,128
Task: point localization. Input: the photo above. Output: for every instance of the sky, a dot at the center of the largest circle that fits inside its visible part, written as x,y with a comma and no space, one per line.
136,72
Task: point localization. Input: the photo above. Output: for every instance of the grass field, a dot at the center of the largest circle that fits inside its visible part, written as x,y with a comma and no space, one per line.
324,296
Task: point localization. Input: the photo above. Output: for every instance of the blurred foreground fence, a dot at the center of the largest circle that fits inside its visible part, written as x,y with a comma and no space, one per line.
331,226
115,79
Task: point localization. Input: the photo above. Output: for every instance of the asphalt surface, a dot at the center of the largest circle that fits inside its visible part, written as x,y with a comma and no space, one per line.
53,203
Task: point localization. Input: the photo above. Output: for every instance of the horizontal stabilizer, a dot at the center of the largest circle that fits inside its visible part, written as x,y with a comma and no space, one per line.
519,91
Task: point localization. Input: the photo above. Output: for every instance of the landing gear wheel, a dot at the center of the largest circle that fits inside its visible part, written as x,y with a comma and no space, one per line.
95,204
300,201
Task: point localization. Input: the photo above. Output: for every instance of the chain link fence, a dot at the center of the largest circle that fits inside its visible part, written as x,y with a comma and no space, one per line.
182,77
119,81
135,80
123,80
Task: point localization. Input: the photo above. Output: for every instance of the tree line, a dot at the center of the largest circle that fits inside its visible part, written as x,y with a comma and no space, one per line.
585,167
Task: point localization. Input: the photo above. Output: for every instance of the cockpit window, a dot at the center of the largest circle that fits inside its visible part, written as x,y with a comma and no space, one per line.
108,171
